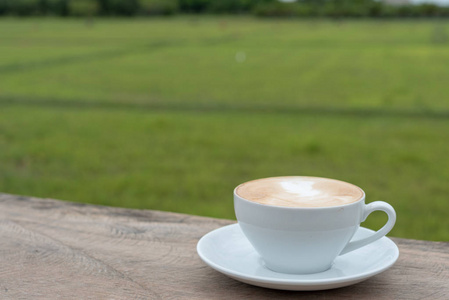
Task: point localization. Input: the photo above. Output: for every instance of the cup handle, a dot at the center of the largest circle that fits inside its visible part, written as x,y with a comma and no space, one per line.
369,208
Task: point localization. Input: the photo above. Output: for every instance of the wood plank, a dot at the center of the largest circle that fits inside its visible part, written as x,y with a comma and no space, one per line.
52,249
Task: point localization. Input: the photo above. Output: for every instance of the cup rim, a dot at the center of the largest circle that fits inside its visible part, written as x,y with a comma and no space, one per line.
362,198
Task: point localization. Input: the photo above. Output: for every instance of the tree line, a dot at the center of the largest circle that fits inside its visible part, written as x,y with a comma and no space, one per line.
264,8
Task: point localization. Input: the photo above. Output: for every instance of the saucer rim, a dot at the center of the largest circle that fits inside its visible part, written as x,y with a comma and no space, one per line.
295,282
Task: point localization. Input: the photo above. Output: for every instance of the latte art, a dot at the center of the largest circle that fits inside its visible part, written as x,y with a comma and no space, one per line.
298,191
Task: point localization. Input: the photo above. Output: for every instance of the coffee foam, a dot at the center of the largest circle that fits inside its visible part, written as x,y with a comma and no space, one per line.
299,191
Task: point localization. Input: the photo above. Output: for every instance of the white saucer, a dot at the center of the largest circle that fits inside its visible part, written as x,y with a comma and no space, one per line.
228,251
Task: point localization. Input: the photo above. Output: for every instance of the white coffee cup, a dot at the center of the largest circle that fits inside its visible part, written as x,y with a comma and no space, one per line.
304,240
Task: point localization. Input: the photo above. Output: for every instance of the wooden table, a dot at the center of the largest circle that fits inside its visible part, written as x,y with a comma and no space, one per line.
52,249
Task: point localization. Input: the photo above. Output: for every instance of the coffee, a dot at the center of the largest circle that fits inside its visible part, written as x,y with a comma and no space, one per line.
298,224
299,191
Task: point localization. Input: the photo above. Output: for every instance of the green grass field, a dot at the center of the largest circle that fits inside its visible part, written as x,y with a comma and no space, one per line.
172,114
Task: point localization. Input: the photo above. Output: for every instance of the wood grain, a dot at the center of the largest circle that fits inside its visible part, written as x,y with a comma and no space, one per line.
52,249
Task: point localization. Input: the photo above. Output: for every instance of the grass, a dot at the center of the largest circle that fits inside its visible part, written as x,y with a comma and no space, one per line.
159,114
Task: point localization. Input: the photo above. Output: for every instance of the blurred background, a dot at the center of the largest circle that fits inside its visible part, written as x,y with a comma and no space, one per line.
170,104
